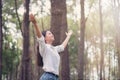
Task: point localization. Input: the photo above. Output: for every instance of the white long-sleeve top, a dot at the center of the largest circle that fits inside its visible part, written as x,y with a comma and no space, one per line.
50,54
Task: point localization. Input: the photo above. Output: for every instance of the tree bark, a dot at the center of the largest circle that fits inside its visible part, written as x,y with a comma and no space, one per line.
59,27
101,41
56,20
17,15
65,70
25,73
81,44
116,14
1,40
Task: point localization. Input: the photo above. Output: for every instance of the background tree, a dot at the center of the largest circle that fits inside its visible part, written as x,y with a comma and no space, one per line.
81,43
25,73
65,70
59,27
116,14
56,19
1,39
101,41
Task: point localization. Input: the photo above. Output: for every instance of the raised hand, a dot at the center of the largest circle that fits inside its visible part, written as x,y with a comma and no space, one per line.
32,18
69,33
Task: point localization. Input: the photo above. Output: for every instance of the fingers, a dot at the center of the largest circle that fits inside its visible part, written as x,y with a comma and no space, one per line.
66,33
32,18
69,33
31,15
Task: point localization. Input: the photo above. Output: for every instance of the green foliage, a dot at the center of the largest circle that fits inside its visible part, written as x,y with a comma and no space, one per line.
10,58
9,11
73,48
11,51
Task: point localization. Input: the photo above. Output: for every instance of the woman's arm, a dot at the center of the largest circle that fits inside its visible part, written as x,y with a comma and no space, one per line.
65,42
40,38
33,20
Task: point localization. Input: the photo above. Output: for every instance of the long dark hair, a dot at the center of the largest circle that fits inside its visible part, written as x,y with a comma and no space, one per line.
39,57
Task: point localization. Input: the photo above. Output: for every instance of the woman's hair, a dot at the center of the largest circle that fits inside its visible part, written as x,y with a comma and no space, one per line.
44,33
39,57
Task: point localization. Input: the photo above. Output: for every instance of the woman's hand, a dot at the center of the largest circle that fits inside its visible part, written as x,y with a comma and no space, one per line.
32,18
69,33
65,42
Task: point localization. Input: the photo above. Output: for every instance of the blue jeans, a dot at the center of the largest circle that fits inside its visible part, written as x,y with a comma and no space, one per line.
48,76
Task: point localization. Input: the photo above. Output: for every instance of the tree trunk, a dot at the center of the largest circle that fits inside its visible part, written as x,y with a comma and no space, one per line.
56,19
1,35
65,70
116,11
59,27
109,67
17,15
81,44
101,42
25,73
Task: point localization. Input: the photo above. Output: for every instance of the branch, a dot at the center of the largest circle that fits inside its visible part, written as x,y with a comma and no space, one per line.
89,13
18,16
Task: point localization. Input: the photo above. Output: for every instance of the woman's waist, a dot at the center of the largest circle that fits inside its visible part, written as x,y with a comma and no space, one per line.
51,69
52,74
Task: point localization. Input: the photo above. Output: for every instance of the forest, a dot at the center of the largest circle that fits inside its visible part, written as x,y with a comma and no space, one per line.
92,53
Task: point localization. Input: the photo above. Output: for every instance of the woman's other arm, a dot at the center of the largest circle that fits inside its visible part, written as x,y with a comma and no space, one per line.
65,42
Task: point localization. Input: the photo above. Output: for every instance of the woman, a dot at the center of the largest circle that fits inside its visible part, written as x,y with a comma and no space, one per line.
49,53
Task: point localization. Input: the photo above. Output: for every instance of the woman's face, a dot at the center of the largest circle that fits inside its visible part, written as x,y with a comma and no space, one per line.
49,37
